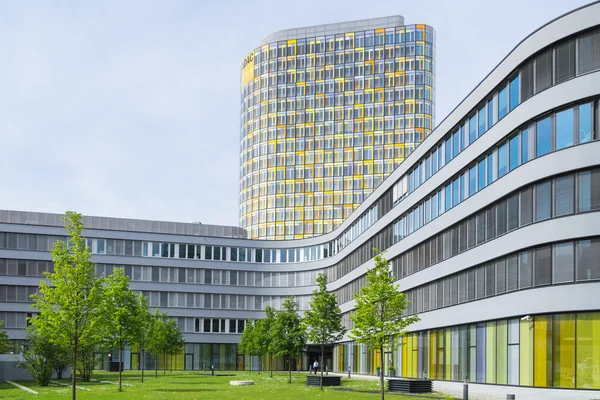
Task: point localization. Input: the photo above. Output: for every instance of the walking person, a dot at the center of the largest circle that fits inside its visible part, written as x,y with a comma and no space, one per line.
316,366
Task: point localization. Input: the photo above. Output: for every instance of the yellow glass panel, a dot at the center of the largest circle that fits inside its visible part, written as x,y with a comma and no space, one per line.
404,356
448,354
564,350
588,350
526,353
501,352
432,354
542,351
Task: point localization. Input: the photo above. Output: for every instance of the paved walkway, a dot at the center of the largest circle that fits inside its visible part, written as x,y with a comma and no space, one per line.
493,392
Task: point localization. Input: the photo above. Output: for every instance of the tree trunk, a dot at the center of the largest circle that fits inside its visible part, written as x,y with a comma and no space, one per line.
290,368
73,380
165,364
121,350
156,366
381,372
142,362
171,362
271,363
322,364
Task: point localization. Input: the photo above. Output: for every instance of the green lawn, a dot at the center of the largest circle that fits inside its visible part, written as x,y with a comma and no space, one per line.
192,385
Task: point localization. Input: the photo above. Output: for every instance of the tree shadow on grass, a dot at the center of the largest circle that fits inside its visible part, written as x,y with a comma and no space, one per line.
184,390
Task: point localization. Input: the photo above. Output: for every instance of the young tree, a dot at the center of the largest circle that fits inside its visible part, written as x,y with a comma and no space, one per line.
378,317
174,344
289,336
145,330
39,356
248,341
157,337
69,303
264,335
5,343
324,319
122,317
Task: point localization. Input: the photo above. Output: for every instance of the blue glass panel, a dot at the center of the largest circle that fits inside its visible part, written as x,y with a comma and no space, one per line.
564,129
472,181
463,140
434,206
524,146
427,168
448,195
481,175
490,168
448,150
455,193
502,100
440,158
513,152
514,93
543,139
427,211
481,120
455,144
440,203
461,191
473,129
502,161
434,162
490,119
585,122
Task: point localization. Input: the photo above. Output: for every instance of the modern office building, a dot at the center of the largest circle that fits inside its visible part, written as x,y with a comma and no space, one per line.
327,113
492,225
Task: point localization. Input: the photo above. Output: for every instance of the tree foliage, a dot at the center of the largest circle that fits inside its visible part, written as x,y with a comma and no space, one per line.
175,343
157,337
264,335
289,335
378,318
145,321
122,313
247,344
5,343
42,357
69,302
323,320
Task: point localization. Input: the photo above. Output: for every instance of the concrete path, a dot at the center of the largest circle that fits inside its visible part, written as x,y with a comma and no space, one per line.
22,387
495,392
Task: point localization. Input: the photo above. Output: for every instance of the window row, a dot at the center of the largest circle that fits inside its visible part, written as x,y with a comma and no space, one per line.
211,325
550,67
204,276
572,193
559,263
219,301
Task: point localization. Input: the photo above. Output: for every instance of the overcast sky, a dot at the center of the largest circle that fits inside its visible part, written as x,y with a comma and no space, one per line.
131,108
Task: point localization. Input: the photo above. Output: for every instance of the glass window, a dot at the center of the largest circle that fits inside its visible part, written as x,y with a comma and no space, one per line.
564,129
502,160
448,195
448,150
588,254
490,109
481,120
472,181
564,350
584,191
564,193
490,168
455,144
473,129
543,204
543,137
514,93
564,263
513,152
524,146
481,175
455,193
585,122
502,102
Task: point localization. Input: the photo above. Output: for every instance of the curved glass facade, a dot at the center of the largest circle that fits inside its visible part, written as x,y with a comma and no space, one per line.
324,119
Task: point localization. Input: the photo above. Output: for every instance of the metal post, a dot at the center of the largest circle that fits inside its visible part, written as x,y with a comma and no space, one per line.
465,390
326,370
212,368
348,372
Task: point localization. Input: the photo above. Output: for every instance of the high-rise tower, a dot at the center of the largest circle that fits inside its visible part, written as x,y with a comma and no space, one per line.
327,113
